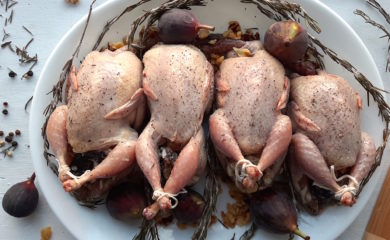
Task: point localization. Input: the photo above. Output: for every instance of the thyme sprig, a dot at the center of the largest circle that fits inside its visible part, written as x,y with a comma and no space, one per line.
381,27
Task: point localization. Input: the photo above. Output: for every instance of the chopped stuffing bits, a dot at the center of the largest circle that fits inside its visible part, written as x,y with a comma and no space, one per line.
72,1
46,233
9,153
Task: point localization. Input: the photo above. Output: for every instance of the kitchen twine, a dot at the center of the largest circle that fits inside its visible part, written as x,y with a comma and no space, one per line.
159,193
66,169
245,163
344,188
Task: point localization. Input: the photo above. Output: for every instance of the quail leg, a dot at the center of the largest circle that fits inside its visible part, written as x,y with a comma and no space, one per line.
121,158
224,140
364,163
58,140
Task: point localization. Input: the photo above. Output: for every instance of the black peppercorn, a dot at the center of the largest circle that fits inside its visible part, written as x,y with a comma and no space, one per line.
8,139
5,111
1,133
18,132
14,144
30,73
11,134
11,74
5,104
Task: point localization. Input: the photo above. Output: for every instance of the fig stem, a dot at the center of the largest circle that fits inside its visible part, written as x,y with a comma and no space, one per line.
32,178
208,27
301,234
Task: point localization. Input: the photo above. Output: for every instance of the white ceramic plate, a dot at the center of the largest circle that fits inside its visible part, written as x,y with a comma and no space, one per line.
95,224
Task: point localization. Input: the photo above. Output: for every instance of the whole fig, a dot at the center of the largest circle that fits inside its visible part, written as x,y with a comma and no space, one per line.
126,201
189,208
287,41
21,199
275,211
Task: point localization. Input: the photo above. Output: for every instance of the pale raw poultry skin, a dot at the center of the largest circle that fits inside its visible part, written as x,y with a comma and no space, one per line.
325,113
251,91
178,81
104,82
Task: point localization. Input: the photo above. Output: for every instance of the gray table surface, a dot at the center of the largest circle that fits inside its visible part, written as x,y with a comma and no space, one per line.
49,20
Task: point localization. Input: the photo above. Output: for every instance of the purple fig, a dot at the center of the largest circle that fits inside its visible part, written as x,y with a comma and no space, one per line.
179,26
21,199
287,41
303,68
126,201
275,211
189,208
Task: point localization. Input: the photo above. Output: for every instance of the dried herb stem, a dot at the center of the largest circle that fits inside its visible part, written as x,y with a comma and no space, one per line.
382,11
210,194
26,29
6,35
148,228
108,25
381,27
248,234
28,103
285,9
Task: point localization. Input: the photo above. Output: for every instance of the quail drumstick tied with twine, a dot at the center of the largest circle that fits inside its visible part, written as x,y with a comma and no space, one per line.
96,126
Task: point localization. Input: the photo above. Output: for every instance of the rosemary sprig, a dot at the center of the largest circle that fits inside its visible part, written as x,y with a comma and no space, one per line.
27,30
248,234
148,228
381,27
285,9
6,35
210,193
382,11
108,25
148,231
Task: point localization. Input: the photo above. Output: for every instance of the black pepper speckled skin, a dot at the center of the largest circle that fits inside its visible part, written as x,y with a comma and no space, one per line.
106,80
331,103
256,86
183,80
